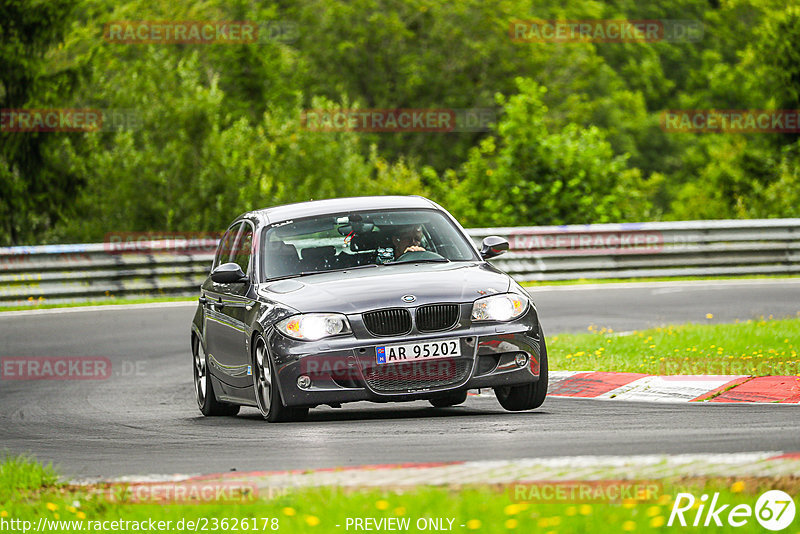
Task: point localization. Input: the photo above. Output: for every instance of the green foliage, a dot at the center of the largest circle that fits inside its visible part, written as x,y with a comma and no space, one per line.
32,188
218,127
531,175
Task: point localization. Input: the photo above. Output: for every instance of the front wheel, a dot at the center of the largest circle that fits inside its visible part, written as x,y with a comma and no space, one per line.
268,398
203,388
528,396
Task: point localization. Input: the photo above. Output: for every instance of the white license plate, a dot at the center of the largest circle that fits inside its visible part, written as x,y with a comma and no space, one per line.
410,352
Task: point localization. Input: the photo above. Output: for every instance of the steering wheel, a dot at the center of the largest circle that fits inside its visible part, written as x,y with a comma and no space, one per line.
414,255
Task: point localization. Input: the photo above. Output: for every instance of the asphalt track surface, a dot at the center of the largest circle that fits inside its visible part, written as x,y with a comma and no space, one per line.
144,420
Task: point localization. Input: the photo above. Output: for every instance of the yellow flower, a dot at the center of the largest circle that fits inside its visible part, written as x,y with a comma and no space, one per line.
629,503
664,500
399,511
513,509
71,509
511,523
474,524
629,526
80,515
52,506
585,509
382,505
312,520
571,510
709,316
653,511
3,514
657,521
737,487
289,511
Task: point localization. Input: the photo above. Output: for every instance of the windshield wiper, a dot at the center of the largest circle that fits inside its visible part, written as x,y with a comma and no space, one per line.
426,260
307,273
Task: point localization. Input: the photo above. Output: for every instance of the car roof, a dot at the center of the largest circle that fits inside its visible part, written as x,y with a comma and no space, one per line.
337,205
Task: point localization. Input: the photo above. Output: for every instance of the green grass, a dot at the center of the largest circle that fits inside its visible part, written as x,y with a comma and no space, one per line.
583,281
760,348
20,474
488,509
44,305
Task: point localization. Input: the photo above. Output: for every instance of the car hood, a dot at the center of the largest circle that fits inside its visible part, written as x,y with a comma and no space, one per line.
361,290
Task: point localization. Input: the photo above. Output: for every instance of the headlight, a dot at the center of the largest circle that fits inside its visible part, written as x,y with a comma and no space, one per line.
499,307
313,326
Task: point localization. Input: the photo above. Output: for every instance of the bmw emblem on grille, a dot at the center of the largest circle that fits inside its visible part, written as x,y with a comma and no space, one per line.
408,298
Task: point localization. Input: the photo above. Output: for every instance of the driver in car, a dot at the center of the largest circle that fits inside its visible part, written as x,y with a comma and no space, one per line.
408,239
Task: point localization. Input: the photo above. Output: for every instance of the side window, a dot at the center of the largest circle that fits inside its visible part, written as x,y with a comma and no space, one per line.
225,246
244,244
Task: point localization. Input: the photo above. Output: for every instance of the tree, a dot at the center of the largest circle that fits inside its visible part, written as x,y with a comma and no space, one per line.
33,190
528,174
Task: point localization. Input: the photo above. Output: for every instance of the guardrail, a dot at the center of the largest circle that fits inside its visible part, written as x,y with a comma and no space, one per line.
65,273
656,249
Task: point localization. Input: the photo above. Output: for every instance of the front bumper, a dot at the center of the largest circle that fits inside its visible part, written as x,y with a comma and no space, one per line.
344,369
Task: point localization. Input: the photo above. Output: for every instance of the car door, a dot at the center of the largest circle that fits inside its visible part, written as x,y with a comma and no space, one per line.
237,304
221,331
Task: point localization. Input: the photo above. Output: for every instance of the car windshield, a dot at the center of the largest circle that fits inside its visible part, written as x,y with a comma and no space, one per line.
350,240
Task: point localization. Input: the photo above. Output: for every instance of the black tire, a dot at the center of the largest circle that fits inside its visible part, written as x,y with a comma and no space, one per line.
268,398
204,387
528,396
450,399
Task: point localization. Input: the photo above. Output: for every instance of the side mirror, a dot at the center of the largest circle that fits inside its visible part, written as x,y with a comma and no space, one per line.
228,273
493,246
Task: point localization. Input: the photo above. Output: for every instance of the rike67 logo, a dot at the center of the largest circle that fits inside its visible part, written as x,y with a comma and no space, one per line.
774,510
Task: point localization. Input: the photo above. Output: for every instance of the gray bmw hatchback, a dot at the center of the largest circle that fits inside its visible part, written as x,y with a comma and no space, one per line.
381,299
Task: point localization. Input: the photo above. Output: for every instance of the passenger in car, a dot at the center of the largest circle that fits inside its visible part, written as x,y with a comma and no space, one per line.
407,238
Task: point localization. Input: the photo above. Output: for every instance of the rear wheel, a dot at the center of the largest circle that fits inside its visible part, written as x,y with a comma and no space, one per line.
528,396
268,397
203,388
450,399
